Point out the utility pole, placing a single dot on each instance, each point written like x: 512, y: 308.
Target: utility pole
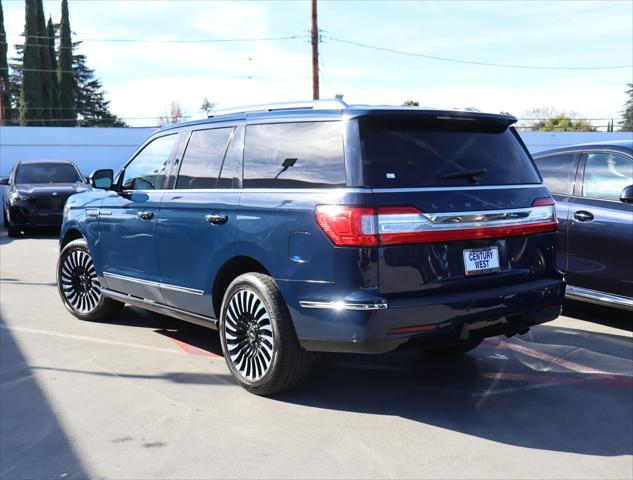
x: 315, y: 52
x: 2, y: 101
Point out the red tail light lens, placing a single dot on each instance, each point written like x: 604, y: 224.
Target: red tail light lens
x: 543, y: 202
x: 370, y: 226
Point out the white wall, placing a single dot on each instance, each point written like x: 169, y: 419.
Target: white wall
x: 93, y: 148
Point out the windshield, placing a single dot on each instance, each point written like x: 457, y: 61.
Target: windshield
x: 406, y: 153
x: 47, y: 173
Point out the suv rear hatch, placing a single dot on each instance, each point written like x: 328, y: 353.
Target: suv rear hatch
x: 458, y: 203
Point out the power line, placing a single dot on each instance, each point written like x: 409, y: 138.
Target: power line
x: 150, y: 40
x: 471, y: 62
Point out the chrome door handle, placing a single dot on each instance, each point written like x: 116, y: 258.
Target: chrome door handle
x: 145, y: 215
x: 217, y: 219
x: 583, y: 216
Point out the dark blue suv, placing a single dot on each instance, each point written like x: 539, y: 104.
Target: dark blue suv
x: 321, y: 227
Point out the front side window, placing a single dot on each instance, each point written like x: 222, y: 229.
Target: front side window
x: 147, y: 170
x: 47, y: 173
x: 203, y: 158
x: 294, y: 155
x: 606, y: 174
x: 557, y: 172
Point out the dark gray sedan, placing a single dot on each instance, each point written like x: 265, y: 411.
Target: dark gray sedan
x: 593, y: 188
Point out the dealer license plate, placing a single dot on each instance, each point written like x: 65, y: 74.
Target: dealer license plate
x: 481, y: 260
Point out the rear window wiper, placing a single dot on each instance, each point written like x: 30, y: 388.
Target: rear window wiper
x: 471, y: 175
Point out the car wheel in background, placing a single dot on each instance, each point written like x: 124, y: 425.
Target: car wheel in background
x: 79, y: 286
x: 258, y: 338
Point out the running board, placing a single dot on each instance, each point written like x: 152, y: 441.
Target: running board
x: 599, y: 298
x: 190, y: 317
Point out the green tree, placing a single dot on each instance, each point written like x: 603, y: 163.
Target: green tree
x: 563, y: 123
x: 411, y: 103
x: 45, y: 110
x: 626, y: 124
x: 67, y: 85
x: 5, y: 89
x: 31, y: 92
x: 52, y: 74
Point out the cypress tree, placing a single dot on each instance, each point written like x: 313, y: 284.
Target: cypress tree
x: 65, y: 67
x: 46, y: 108
x: 31, y: 94
x: 52, y: 75
x: 5, y: 89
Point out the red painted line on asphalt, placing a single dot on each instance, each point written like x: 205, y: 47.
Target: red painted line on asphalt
x: 561, y: 362
x: 617, y: 381
x: 191, y: 350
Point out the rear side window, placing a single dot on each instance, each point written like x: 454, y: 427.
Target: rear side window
x: 606, y: 174
x: 203, y: 158
x: 557, y: 172
x: 294, y: 155
x: 407, y: 153
x: 231, y: 171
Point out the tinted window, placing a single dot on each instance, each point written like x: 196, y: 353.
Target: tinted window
x: 434, y: 153
x: 294, y: 155
x: 606, y: 174
x: 147, y: 170
x: 203, y: 158
x: 557, y: 172
x: 231, y: 172
x: 47, y: 173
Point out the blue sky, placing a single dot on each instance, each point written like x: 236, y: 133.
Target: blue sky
x: 143, y: 78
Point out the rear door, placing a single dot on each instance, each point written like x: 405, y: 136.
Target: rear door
x: 559, y: 172
x: 601, y: 226
x: 465, y: 189
x: 127, y: 221
x: 196, y: 222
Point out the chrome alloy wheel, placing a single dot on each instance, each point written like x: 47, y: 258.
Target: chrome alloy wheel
x: 249, y: 335
x: 79, y: 282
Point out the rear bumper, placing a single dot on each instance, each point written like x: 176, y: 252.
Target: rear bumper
x: 430, y: 320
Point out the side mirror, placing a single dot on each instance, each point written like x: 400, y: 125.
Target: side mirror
x: 102, y: 178
x: 4, y: 180
x: 627, y: 194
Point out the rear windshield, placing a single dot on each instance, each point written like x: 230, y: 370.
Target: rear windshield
x: 436, y: 153
x: 47, y: 173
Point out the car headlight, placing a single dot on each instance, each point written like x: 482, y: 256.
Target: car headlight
x: 17, y: 197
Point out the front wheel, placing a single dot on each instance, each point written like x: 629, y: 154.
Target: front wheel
x: 79, y: 286
x: 258, y: 338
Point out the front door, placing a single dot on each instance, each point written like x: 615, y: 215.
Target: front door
x: 601, y: 226
x: 127, y: 226
x: 196, y: 220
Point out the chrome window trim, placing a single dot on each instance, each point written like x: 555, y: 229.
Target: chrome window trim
x: 465, y: 187
x: 363, y: 306
x: 192, y: 291
x: 597, y: 297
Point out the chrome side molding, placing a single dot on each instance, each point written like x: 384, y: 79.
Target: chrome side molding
x: 339, y: 306
x: 599, y: 298
x: 176, y: 288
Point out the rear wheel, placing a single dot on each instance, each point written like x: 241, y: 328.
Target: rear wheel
x: 258, y: 339
x: 79, y: 286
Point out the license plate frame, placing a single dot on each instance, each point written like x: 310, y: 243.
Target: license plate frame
x: 492, y: 266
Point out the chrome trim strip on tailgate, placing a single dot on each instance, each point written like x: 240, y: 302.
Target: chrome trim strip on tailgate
x: 599, y: 298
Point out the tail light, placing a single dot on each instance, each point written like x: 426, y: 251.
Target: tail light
x: 375, y: 226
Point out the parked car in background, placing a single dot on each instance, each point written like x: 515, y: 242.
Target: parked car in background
x: 593, y: 188
x: 319, y: 226
x: 36, y: 193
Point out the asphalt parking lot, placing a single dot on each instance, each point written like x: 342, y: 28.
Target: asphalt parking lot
x: 144, y: 396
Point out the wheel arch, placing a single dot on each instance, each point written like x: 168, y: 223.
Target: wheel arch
x: 228, y: 272
x: 70, y: 235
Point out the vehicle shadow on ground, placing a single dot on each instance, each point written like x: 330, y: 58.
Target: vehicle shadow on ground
x: 33, y: 444
x: 40, y: 234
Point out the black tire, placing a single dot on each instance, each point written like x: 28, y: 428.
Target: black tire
x: 265, y: 343
x: 459, y: 348
x: 5, y: 218
x: 78, y: 285
x: 12, y: 231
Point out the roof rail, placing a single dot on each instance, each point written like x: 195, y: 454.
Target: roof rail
x: 326, y: 104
